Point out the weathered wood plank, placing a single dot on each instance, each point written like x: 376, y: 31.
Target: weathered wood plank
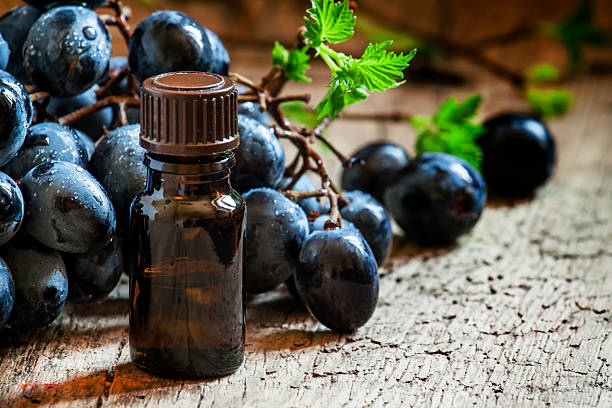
x: 517, y: 313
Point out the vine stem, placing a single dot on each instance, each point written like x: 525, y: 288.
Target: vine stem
x: 101, y: 104
x: 378, y: 116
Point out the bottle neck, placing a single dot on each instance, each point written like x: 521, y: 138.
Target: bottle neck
x: 189, y: 176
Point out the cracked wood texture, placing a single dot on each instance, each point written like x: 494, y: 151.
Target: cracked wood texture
x: 517, y: 313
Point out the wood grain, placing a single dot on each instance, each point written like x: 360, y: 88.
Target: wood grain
x: 517, y: 313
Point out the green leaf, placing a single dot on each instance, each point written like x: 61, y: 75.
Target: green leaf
x: 543, y: 73
x: 293, y: 62
x: 329, y: 22
x: 577, y: 31
x: 297, y: 111
x: 550, y: 102
x: 451, y: 130
x: 377, y: 69
x: 342, y: 92
x: 458, y: 113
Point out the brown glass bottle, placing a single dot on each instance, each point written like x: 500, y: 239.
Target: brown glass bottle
x: 187, y: 315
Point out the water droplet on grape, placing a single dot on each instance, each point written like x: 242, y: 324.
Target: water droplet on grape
x: 90, y: 33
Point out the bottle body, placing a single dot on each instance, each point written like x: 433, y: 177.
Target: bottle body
x: 187, y: 316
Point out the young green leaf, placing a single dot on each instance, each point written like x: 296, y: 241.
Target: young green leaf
x: 342, y: 92
x: 376, y: 70
x: 352, y: 79
x: 293, y: 62
x: 543, y: 73
x: 329, y: 22
x: 451, y: 130
x: 299, y: 112
x: 550, y: 102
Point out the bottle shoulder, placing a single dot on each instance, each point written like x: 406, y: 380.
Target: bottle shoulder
x: 156, y: 204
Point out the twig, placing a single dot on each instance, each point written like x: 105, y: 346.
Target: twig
x: 39, y: 95
x: 378, y: 116
x: 114, y: 78
x: 300, y: 195
x: 101, y: 104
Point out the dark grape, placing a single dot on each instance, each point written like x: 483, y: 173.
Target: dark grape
x: 94, y: 274
x: 518, y: 154
x: 117, y: 164
x: 41, y: 284
x: 290, y: 285
x: 376, y: 166
x: 14, y: 27
x: 47, y: 142
x: 45, y: 4
x: 260, y: 157
x: 9, y: 81
x: 86, y: 143
x: 276, y: 228
x: 371, y: 218
x: 66, y: 208
x: 5, y: 52
x: 304, y: 183
x: 11, y: 208
x: 7, y: 293
x: 13, y: 123
x: 337, y: 278
x: 221, y: 59
x: 93, y: 124
x: 436, y: 198
x: 67, y: 50
x: 169, y: 41
x: 116, y: 65
x: 251, y: 109
x: 318, y: 224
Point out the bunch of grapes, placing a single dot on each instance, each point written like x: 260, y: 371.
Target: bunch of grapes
x: 69, y: 145
x: 72, y: 164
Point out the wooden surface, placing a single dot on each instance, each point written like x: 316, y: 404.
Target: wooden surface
x: 517, y: 313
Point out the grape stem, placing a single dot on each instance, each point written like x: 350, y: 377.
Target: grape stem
x: 120, y: 19
x: 328, y: 188
x: 266, y: 94
x: 114, y: 77
x: 120, y: 100
x: 378, y: 116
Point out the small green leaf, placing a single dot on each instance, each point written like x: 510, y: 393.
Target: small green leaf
x: 341, y: 93
x: 293, y: 62
x: 451, y: 130
x: 297, y: 111
x: 550, y: 102
x: 377, y: 69
x: 329, y: 21
x: 458, y: 113
x: 543, y: 73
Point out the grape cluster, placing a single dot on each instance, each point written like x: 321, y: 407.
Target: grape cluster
x: 66, y: 185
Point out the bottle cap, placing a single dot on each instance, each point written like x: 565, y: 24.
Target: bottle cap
x: 189, y: 114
